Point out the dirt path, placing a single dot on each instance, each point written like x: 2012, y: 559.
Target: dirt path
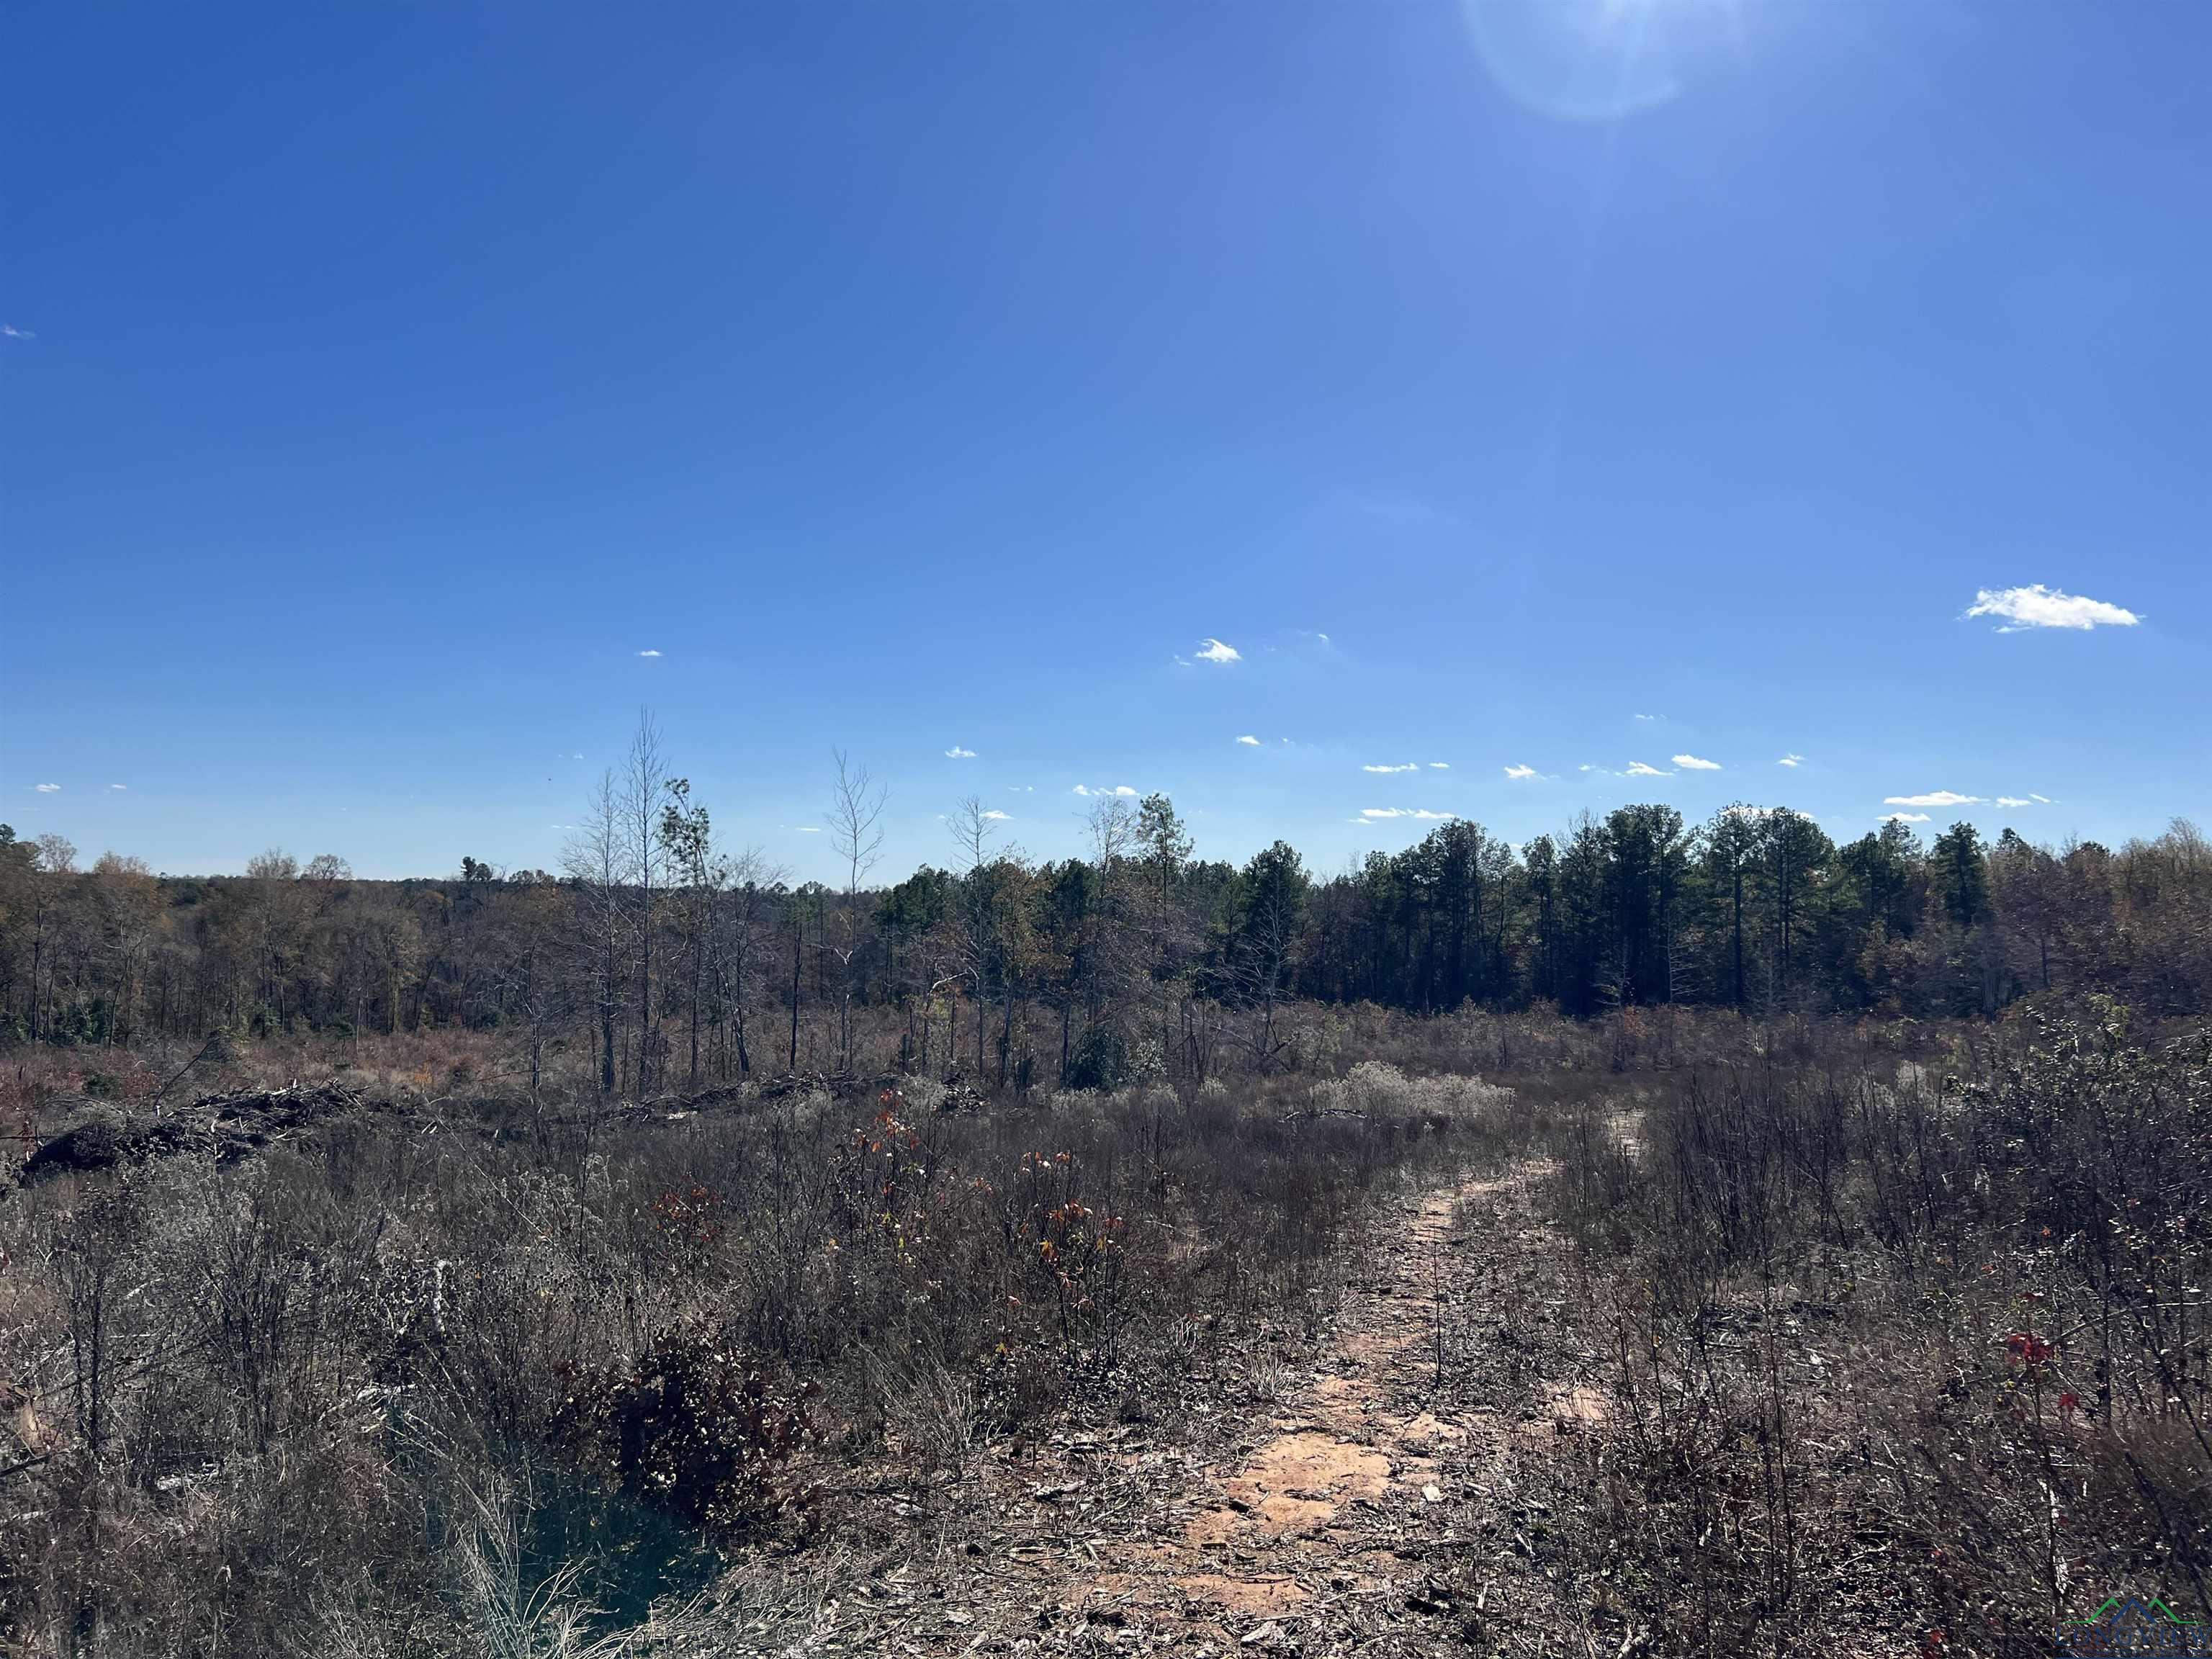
x: 1310, y: 1525
x: 1345, y: 1522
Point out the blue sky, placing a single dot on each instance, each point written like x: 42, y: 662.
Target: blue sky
x: 1557, y: 389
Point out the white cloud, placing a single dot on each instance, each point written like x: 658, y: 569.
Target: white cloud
x: 1123, y: 789
x: 1118, y: 789
x: 1933, y: 798
x: 8, y: 330
x: 1519, y: 771
x: 579, y: 754
x: 1372, y: 813
x: 995, y: 813
x: 2014, y: 801
x: 1904, y: 818
x: 2040, y: 800
x: 1253, y: 742
x: 1692, y: 763
x: 958, y: 753
x: 1651, y: 717
x: 1639, y: 769
x: 1439, y: 766
x: 1408, y: 767
x: 1212, y: 650
x: 648, y: 653
x: 809, y: 829
x: 118, y: 786
x: 1791, y: 760
x: 49, y: 788
x: 2038, y: 606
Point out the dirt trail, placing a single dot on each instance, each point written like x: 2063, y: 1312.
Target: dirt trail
x: 1333, y: 1532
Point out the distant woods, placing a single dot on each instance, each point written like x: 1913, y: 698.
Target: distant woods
x: 667, y: 957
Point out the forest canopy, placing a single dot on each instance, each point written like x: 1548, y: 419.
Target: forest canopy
x: 673, y: 956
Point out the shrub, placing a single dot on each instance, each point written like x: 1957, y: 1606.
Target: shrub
x: 693, y: 1425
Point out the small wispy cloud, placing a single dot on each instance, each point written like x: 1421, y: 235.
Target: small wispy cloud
x: 2040, y: 800
x: 808, y: 829
x: 49, y: 788
x: 1692, y: 763
x: 1375, y: 813
x: 118, y: 786
x: 1118, y: 789
x: 1408, y: 767
x: 1639, y: 769
x: 2015, y: 800
x: 2038, y: 606
x: 8, y: 330
x: 1212, y: 650
x: 1250, y: 742
x: 1904, y: 818
x: 1439, y: 766
x: 1648, y: 718
x: 648, y: 653
x: 995, y: 813
x: 958, y: 753
x: 1933, y: 798
x: 1791, y: 760
x: 1519, y: 771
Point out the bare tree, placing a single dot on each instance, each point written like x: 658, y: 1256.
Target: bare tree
x: 596, y: 859
x: 856, y: 814
x: 56, y: 863
x: 275, y: 865
x: 1112, y: 824
x: 130, y: 905
x: 747, y: 875
x: 644, y: 773
x: 972, y: 829
x: 278, y: 915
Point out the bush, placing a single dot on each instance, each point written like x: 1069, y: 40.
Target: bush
x: 692, y: 1425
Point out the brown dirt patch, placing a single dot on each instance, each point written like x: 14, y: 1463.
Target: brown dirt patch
x: 1268, y: 1597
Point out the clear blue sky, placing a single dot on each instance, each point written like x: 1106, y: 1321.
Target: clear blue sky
x: 379, y: 381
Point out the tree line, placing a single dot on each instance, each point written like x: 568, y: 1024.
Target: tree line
x: 667, y: 958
